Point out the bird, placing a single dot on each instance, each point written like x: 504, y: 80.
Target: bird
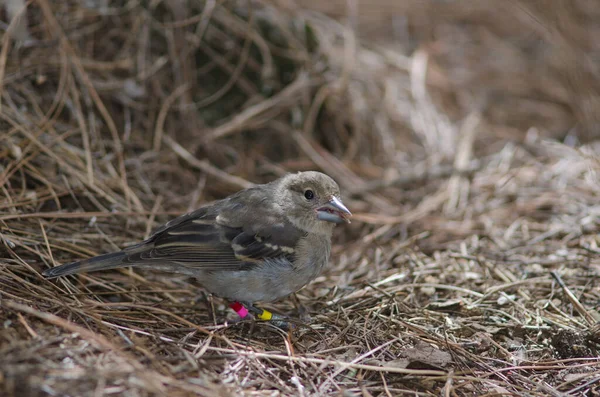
x: 260, y: 244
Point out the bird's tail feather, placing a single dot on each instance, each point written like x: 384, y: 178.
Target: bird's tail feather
x: 103, y: 262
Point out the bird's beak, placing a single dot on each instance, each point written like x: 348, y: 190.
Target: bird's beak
x: 334, y: 211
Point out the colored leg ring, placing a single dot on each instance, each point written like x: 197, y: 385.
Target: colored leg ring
x: 265, y: 315
x: 239, y: 309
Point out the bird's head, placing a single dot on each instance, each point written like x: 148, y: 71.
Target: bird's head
x: 311, y: 201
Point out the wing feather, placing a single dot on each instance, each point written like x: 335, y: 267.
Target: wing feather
x: 236, y: 233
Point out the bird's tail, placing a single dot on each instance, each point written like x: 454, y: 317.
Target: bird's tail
x: 113, y: 260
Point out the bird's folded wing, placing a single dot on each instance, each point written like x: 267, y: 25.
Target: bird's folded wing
x: 231, y: 235
x: 263, y: 231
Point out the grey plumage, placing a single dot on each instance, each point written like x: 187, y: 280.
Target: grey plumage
x: 259, y: 244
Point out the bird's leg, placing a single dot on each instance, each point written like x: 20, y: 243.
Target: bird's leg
x: 242, y: 309
x: 301, y: 309
x: 239, y: 309
x: 261, y: 314
x: 265, y: 315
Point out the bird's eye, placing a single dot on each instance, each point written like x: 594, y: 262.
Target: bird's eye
x: 309, y: 194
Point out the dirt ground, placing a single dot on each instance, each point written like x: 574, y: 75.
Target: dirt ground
x: 464, y: 136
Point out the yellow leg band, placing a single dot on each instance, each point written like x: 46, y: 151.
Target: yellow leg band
x: 265, y: 315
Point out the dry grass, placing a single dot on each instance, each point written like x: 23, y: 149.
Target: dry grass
x: 471, y: 267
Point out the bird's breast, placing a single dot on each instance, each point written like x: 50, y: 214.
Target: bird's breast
x: 312, y: 254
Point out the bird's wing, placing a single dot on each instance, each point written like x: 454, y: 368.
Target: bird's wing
x: 235, y: 233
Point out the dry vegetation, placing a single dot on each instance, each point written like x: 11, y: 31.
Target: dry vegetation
x: 464, y: 142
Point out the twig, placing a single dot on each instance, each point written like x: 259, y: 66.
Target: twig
x: 573, y: 299
x: 205, y: 166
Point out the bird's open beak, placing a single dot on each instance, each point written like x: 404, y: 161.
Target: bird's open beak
x: 334, y: 211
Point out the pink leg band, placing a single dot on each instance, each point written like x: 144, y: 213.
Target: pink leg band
x: 239, y: 309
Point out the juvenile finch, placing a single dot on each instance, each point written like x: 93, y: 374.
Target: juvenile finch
x: 259, y: 244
